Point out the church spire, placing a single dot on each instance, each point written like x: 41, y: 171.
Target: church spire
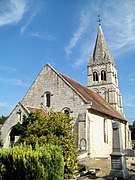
x: 101, y: 51
x: 102, y: 72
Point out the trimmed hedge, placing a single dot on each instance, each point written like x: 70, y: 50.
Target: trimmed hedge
x: 22, y: 162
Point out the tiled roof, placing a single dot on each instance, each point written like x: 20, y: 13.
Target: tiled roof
x: 98, y: 103
x: 36, y: 110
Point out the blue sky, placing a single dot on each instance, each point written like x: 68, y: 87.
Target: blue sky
x: 63, y: 33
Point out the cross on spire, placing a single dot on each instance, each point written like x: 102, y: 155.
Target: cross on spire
x: 99, y: 20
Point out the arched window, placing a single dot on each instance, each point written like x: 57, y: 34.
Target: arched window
x: 95, y: 76
x: 103, y: 75
x: 67, y: 111
x: 48, y: 99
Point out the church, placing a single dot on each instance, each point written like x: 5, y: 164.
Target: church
x: 94, y: 107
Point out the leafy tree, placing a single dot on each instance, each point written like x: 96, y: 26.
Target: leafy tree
x: 2, y: 119
x: 55, y: 128
x: 132, y: 128
x: 22, y: 128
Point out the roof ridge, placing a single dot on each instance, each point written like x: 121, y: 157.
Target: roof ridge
x: 96, y: 96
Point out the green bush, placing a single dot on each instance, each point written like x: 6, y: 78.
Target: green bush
x: 22, y: 162
x: 53, y: 128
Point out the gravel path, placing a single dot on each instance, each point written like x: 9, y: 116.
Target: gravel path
x: 103, y: 167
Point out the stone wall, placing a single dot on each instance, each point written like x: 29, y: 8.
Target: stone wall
x: 11, y: 121
x: 98, y: 147
x: 107, y: 89
x: 62, y: 95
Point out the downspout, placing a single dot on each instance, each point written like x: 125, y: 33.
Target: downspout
x: 88, y: 128
x: 125, y: 137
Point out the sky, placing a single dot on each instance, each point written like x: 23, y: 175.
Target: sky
x: 63, y: 33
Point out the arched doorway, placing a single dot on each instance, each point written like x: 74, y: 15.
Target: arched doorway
x: 14, y: 135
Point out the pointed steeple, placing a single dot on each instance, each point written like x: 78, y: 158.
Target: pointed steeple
x: 101, y: 51
x: 102, y: 72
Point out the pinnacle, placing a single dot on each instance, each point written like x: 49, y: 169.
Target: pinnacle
x: 101, y: 51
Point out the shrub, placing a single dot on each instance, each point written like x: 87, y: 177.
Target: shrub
x: 22, y: 162
x: 53, y: 128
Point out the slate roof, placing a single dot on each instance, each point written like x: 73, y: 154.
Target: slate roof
x: 88, y: 95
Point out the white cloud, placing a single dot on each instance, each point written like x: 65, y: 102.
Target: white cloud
x: 25, y: 26
x: 13, y: 81
x: 118, y: 23
x: 7, y: 68
x: 84, y: 55
x: 11, y: 11
x: 41, y: 36
x: 77, y: 35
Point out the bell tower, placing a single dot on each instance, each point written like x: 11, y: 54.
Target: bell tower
x: 102, y: 72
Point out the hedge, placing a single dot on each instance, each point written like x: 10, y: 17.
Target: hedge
x: 22, y: 162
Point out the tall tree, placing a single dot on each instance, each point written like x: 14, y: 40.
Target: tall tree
x: 132, y: 128
x: 2, y: 119
x: 55, y: 128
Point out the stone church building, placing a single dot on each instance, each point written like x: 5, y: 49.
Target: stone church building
x: 94, y: 107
